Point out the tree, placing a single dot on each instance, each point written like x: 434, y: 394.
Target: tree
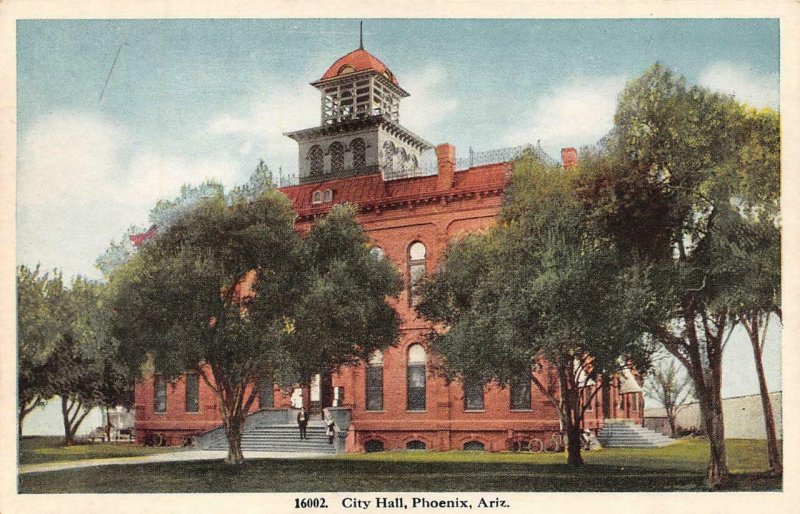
x: 681, y: 150
x: 64, y: 349
x: 39, y: 323
x: 230, y: 290
x: 527, y: 298
x: 758, y: 297
x: 672, y: 389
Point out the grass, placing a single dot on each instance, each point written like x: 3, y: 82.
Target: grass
x: 38, y: 450
x: 680, y: 467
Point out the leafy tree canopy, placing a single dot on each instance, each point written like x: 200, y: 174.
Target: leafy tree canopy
x: 231, y: 290
x: 544, y: 284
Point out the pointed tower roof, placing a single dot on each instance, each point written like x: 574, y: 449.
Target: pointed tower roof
x: 355, y: 61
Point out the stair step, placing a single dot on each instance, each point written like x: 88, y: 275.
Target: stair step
x: 626, y: 434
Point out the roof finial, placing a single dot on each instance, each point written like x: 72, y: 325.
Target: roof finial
x: 361, y: 35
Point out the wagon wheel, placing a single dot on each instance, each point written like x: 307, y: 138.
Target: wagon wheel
x: 158, y: 440
x: 536, y: 445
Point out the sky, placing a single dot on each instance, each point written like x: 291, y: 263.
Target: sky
x: 116, y: 114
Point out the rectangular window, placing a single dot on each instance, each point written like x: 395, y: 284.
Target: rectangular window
x: 159, y: 394
x: 374, y: 387
x: 587, y: 392
x: 521, y: 394
x: 416, y: 387
x: 266, y: 393
x: 634, y: 402
x: 192, y: 393
x: 473, y: 394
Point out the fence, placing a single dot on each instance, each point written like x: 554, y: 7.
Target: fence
x: 428, y: 165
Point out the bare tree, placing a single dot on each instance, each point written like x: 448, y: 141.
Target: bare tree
x: 669, y: 386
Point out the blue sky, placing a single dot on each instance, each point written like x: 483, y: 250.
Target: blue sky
x: 195, y: 99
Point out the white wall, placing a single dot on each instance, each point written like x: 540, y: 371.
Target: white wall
x: 743, y: 415
x: 47, y: 420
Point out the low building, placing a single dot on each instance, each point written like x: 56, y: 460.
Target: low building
x: 743, y: 417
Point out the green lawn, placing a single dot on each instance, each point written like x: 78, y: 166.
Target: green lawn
x: 679, y: 467
x: 37, y: 450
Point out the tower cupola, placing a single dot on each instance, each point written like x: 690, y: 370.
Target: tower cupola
x: 359, y: 131
x: 359, y: 85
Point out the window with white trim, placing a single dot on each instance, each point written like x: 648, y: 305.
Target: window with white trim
x: 374, y: 382
x: 416, y: 386
x: 416, y: 270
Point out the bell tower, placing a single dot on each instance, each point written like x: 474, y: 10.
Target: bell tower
x: 359, y: 131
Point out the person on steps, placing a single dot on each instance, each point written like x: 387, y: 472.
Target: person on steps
x: 302, y: 422
x: 329, y: 430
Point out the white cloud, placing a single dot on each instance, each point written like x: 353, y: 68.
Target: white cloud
x: 258, y: 123
x: 578, y: 113
x: 430, y: 102
x: 68, y: 155
x: 743, y: 82
x: 81, y: 182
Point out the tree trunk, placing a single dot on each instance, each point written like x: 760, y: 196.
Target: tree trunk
x: 573, y: 408
x: 574, y: 443
x: 773, y: 450
x: 69, y: 437
x: 717, y: 473
x: 672, y: 428
x: 233, y: 431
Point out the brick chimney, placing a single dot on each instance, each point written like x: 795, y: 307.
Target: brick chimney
x: 446, y: 159
x: 569, y: 157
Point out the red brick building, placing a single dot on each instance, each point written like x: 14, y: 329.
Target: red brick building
x: 362, y: 155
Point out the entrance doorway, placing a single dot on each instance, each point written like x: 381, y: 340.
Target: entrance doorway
x: 321, y: 393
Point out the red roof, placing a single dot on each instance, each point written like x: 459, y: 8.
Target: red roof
x: 371, y: 190
x: 359, y: 60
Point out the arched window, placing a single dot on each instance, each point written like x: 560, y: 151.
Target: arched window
x: 373, y: 446
x: 358, y: 148
x: 375, y: 382
x: 416, y: 270
x: 403, y: 158
x: 316, y: 197
x: 344, y: 70
x: 327, y: 196
x: 475, y: 446
x: 317, y: 157
x: 416, y: 445
x: 337, y: 157
x: 388, y: 156
x: 416, y: 378
x: 159, y: 394
x: 192, y: 403
x: 377, y: 253
x: 473, y: 394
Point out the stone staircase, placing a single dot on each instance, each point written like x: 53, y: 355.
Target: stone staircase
x: 627, y: 434
x: 278, y: 438
x: 275, y: 430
